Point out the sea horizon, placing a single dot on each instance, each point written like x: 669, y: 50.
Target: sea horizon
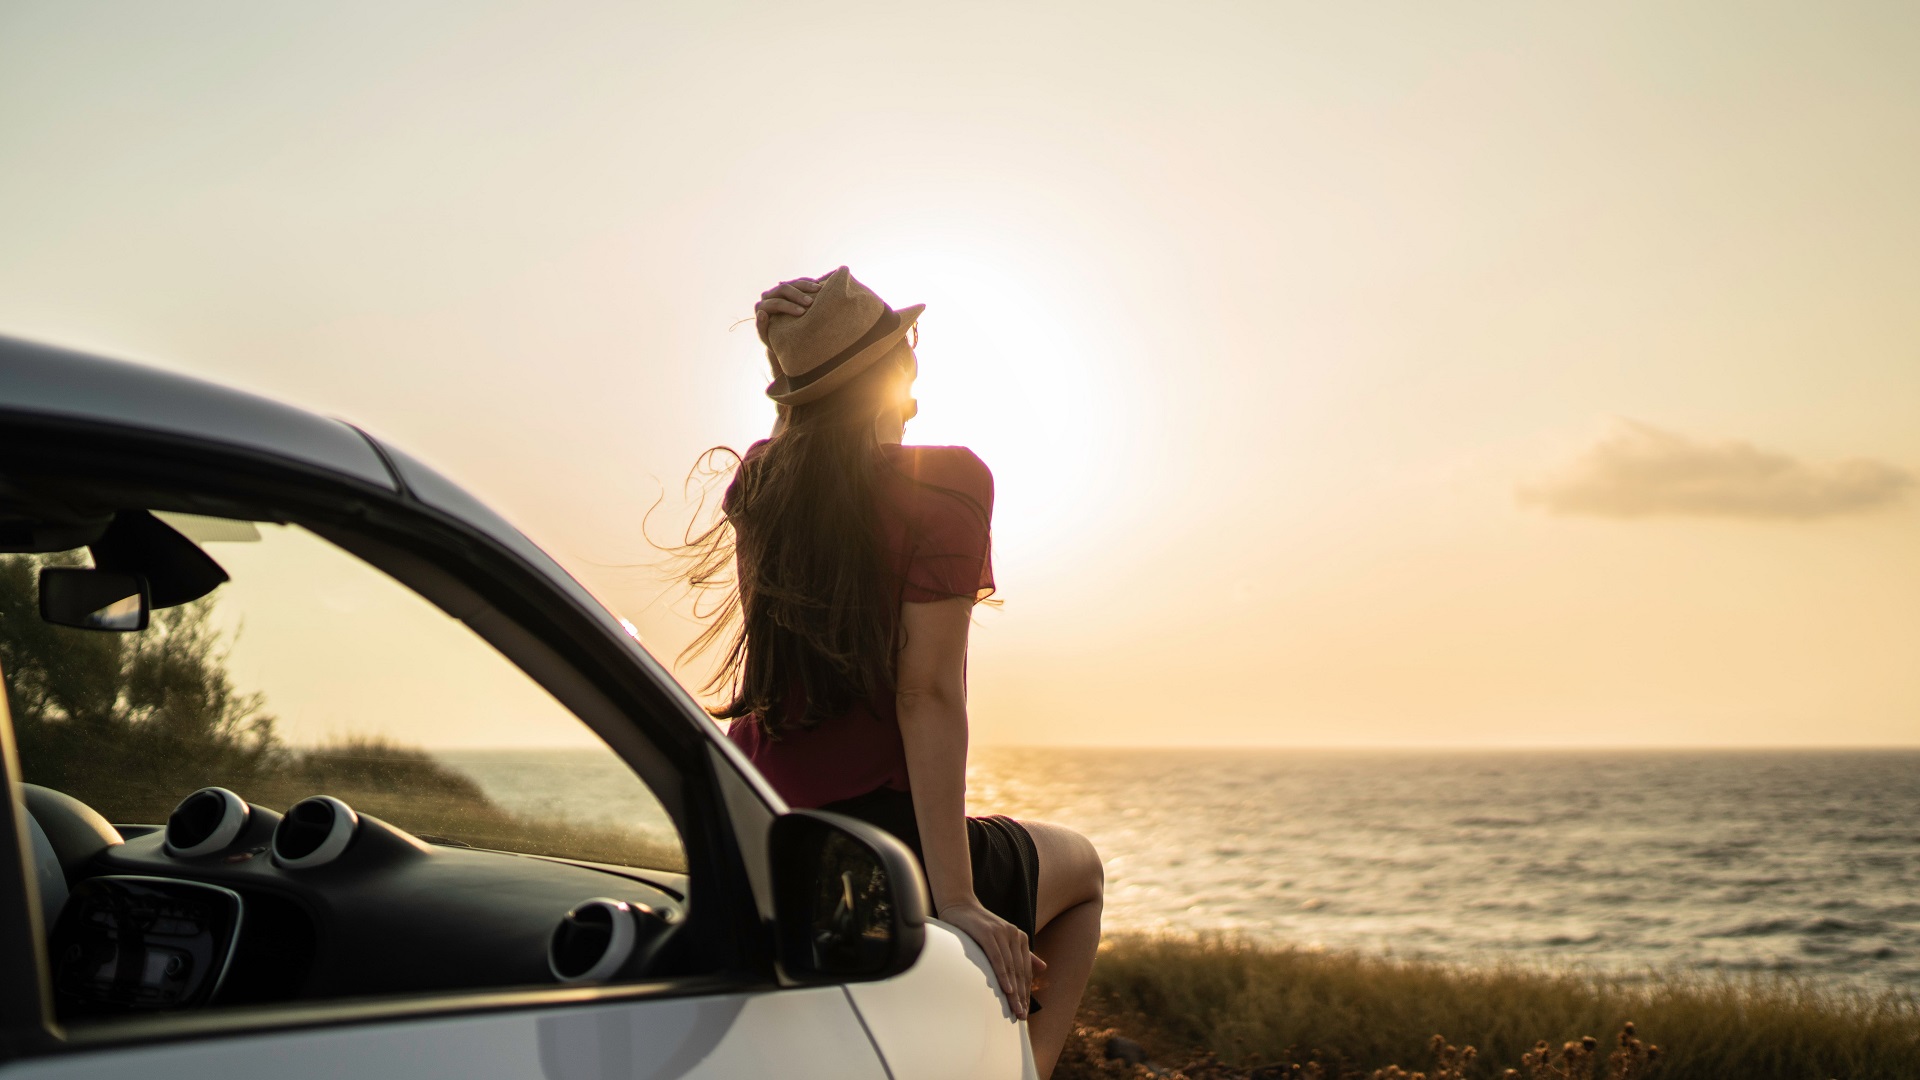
x: 1409, y: 748
x: 1789, y: 861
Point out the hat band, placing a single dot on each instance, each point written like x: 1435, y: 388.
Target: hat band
x: 889, y: 321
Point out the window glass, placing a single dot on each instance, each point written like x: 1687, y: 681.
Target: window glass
x: 312, y: 673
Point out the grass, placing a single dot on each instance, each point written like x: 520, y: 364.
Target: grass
x: 1222, y: 1007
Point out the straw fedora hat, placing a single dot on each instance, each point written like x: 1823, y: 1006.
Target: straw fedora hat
x: 845, y: 330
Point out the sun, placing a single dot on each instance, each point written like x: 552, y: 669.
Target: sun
x: 1010, y: 369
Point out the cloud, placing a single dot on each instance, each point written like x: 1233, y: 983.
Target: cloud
x: 1638, y: 471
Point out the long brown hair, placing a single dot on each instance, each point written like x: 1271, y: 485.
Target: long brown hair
x: 810, y: 603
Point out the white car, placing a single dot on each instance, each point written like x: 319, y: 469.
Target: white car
x: 316, y: 767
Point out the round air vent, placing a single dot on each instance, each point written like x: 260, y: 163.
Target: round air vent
x: 205, y: 822
x: 591, y: 943
x: 314, y: 832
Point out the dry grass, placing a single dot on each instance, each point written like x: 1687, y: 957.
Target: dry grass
x: 410, y: 788
x: 1218, y: 1008
x: 402, y: 785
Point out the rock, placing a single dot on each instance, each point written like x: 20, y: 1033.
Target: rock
x: 1120, y: 1048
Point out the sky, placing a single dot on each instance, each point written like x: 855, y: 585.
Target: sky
x: 1372, y: 374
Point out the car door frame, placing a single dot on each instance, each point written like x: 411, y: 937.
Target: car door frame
x: 568, y: 644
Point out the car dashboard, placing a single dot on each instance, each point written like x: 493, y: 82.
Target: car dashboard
x: 232, y: 904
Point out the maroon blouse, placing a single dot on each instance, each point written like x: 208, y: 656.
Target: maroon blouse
x: 941, y: 548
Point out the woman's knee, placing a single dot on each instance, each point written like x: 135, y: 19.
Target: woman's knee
x: 1069, y: 860
x: 1093, y: 868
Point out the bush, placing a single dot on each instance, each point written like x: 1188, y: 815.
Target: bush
x: 127, y: 723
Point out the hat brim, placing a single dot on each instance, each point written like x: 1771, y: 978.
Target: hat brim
x: 852, y: 367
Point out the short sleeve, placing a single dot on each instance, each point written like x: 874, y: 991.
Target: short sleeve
x: 950, y: 551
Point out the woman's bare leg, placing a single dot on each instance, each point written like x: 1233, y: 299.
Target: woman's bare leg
x: 1072, y: 887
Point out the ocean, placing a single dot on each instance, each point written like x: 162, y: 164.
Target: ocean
x: 1805, y: 863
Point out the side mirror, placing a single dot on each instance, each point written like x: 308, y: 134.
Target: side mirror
x: 850, y: 901
x: 94, y: 599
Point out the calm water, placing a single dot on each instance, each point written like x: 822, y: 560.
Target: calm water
x: 1800, y: 862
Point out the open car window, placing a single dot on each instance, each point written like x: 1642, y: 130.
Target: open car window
x: 308, y: 673
x: 259, y: 770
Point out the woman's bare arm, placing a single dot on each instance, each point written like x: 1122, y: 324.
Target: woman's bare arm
x: 787, y: 298
x: 933, y: 724
x: 932, y: 698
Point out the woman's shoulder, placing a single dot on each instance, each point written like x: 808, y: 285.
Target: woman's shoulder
x: 943, y: 460
x: 954, y: 467
x: 729, y: 499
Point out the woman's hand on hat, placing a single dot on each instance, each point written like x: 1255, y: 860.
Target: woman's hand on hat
x: 787, y: 298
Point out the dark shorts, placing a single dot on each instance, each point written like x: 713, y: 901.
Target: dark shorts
x: 1006, y: 868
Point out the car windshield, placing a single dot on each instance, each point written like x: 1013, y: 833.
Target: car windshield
x: 311, y: 672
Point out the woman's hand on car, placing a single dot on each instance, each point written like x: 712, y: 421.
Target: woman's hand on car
x: 787, y: 298
x: 1005, y: 944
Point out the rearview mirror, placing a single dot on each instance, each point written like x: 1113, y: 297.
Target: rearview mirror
x: 850, y: 901
x: 94, y: 599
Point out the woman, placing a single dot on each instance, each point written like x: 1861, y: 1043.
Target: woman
x: 858, y: 563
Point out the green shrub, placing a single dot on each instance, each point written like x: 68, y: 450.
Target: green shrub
x: 127, y: 723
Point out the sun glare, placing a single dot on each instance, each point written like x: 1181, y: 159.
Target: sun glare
x: 1010, y: 368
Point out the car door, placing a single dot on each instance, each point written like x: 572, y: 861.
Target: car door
x: 802, y: 1033
x: 722, y: 1010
